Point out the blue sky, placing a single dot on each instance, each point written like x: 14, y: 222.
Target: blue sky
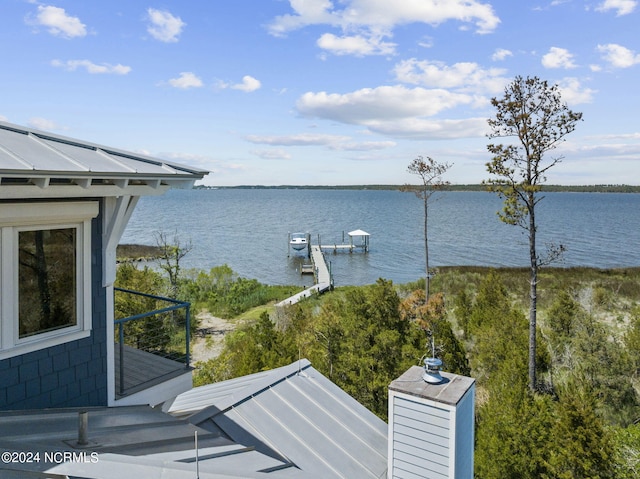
x: 322, y: 92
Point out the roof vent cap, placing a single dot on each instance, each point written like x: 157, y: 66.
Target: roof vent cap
x: 432, y: 371
x: 432, y: 365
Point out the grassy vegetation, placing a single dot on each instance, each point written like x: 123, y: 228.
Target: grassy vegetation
x: 610, y: 295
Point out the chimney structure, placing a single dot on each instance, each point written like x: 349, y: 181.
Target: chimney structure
x: 431, y: 426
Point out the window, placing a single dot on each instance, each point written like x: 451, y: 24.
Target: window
x: 47, y: 296
x: 45, y: 263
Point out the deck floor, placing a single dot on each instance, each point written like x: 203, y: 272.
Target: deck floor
x: 142, y: 370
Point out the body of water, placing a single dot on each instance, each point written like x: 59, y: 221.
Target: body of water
x: 247, y: 229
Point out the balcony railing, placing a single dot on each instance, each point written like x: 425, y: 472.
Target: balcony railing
x: 151, y: 346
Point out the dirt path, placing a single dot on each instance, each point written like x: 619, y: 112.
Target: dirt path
x: 209, y: 338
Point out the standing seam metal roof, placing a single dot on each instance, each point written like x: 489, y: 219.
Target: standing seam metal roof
x: 28, y: 152
x: 298, y: 415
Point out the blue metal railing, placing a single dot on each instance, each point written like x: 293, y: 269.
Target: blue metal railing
x: 155, y: 337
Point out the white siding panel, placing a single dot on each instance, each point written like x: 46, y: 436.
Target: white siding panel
x: 421, y: 468
x: 428, y: 442
x: 441, y: 432
x: 430, y: 416
x: 419, y: 451
x: 415, y: 473
x: 421, y: 440
x: 417, y: 406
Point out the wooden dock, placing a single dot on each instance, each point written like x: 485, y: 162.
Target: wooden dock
x: 319, y: 266
x: 343, y: 247
x: 322, y: 277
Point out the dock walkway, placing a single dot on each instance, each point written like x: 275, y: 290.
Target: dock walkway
x: 322, y: 279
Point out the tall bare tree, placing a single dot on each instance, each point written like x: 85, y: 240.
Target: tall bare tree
x: 533, y: 115
x: 430, y: 173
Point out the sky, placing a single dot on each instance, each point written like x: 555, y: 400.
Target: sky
x: 322, y: 92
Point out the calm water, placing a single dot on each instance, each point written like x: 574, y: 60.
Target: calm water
x: 247, y: 229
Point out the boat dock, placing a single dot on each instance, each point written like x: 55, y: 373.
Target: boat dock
x: 319, y: 268
x: 321, y: 273
x: 350, y: 246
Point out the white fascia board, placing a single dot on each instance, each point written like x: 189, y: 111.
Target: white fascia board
x: 21, y: 192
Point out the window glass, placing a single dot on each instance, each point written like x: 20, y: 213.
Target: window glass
x: 47, y: 292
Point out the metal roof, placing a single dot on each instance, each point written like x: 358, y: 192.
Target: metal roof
x: 288, y: 423
x: 62, y: 166
x: 297, y: 413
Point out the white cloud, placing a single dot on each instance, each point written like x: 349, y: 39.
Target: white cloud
x: 501, y: 54
x: 248, y: 84
x: 618, y: 56
x: 365, y: 22
x: 275, y: 154
x: 91, y: 67
x: 164, y: 26
x: 306, y: 13
x: 558, y: 58
x: 372, y: 104
x: 42, y: 124
x: 3, y: 118
x: 464, y: 75
x: 618, y: 136
x: 574, y: 93
x: 426, y: 42
x: 58, y: 22
x: 185, y: 81
x: 425, y: 129
x: 358, y: 45
x: 301, y: 139
x: 365, y: 145
x: 622, y: 7
x: 333, y: 142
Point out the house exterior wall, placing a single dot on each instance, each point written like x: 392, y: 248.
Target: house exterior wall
x: 71, y: 374
x: 420, y: 439
x: 465, y: 432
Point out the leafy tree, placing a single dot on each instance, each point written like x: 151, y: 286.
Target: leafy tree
x: 356, y: 337
x: 603, y: 365
x: 491, y: 302
x: 257, y: 346
x: 430, y: 173
x: 432, y: 316
x: 626, y: 452
x: 562, y: 315
x: 584, y: 447
x: 532, y: 113
x: 513, y: 437
x: 498, y: 331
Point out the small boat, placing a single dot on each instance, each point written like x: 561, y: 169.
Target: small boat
x: 298, y: 241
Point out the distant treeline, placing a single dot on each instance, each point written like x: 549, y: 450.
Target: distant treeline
x: 477, y: 187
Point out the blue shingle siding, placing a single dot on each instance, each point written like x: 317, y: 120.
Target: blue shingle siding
x: 28, y: 371
x: 69, y: 374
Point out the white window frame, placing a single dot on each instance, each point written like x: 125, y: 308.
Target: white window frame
x: 17, y: 217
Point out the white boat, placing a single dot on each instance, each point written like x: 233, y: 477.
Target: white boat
x: 298, y: 241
